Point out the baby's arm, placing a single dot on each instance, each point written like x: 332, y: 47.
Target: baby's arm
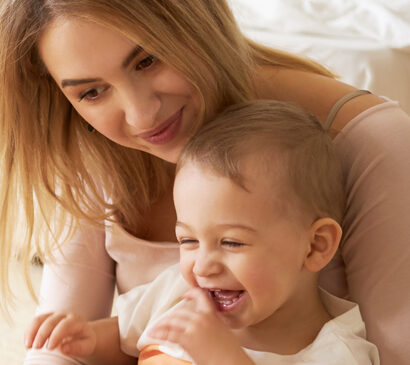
x: 95, y: 342
x: 198, y: 329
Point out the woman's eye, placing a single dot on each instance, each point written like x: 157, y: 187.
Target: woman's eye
x: 232, y: 243
x: 92, y: 94
x: 145, y: 63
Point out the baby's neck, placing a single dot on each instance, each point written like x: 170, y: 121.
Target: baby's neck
x: 287, y: 331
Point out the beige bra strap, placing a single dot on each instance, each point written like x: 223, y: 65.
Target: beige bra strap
x: 332, y: 114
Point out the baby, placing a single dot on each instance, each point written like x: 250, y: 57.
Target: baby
x: 258, y: 195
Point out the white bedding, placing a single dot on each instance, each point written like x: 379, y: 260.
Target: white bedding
x: 365, y: 42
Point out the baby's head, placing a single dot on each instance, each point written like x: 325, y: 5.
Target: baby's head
x: 258, y: 195
x: 276, y: 142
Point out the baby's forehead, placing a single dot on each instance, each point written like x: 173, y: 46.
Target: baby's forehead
x: 252, y: 174
x: 247, y: 169
x: 257, y: 177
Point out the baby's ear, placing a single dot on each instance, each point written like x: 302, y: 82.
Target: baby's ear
x: 325, y: 234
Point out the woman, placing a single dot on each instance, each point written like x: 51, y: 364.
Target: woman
x: 97, y: 101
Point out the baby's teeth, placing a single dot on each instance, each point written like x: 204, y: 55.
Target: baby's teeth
x: 228, y: 302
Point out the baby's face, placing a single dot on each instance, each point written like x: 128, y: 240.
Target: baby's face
x: 238, y: 245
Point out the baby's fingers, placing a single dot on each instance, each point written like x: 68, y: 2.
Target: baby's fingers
x: 45, y: 328
x: 32, y: 329
x: 79, y: 347
x: 67, y: 329
x: 202, y: 300
x: 170, y: 329
x: 172, y: 325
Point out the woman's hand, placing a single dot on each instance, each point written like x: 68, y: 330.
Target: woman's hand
x: 199, y: 329
x: 70, y: 333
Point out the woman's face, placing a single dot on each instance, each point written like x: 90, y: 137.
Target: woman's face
x: 125, y: 93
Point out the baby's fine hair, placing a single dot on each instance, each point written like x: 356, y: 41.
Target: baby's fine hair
x: 296, y: 153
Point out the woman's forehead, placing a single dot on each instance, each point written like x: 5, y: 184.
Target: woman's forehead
x: 72, y: 48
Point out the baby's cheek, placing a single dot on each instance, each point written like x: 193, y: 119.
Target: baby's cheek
x: 265, y: 283
x: 186, y: 266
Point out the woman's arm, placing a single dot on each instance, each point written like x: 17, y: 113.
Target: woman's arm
x: 81, y: 280
x: 375, y: 149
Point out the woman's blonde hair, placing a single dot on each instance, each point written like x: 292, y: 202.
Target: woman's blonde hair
x: 54, y: 173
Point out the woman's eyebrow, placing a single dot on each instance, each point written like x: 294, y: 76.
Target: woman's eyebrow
x: 74, y: 82
x: 134, y: 53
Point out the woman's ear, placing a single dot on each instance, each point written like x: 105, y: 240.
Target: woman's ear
x: 325, y: 235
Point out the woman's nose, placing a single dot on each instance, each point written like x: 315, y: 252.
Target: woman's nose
x: 140, y: 106
x: 207, y: 263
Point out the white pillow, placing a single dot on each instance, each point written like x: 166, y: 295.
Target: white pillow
x: 362, y: 53
x: 387, y: 22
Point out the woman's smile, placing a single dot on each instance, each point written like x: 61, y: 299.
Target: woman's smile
x: 165, y: 132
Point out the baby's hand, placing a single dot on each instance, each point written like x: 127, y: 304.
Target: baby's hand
x: 70, y: 333
x: 199, y: 329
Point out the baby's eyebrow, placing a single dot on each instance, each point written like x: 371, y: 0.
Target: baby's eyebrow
x: 223, y: 225
x: 181, y: 224
x: 74, y: 82
x: 239, y: 226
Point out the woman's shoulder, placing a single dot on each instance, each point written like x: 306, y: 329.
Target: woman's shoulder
x: 316, y: 93
x: 384, y: 121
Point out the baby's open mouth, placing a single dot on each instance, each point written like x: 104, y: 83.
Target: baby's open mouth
x: 225, y: 299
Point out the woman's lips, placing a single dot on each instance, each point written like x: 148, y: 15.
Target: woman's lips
x: 165, y: 132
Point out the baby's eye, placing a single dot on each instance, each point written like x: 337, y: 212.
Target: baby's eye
x: 145, y: 62
x: 232, y: 243
x: 92, y: 94
x: 187, y: 240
